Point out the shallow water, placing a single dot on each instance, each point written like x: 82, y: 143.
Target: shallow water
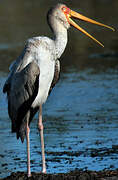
x: 80, y: 116
x: 81, y: 125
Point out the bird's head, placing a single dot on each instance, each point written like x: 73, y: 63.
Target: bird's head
x: 64, y: 15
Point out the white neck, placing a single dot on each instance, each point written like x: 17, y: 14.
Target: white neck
x: 60, y: 41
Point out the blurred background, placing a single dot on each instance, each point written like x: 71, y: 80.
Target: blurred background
x: 81, y: 115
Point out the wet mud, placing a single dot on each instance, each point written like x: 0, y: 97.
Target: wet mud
x: 77, y: 174
x: 74, y: 175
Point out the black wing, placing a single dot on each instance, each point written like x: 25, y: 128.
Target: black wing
x: 56, y: 75
x: 21, y: 91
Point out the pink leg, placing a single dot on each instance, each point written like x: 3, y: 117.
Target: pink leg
x: 28, y: 151
x: 40, y: 126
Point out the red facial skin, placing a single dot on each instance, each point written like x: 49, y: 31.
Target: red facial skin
x: 66, y: 11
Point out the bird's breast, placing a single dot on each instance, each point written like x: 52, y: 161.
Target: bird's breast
x: 45, y: 80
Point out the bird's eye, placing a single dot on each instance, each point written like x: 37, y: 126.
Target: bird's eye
x: 64, y: 9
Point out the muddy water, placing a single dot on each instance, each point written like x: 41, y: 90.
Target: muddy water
x: 81, y: 115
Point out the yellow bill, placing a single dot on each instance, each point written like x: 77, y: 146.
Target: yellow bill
x: 81, y: 17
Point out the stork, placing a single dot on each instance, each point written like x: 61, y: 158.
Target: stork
x: 35, y: 72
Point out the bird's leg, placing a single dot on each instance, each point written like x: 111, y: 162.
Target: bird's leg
x: 28, y: 150
x: 40, y: 126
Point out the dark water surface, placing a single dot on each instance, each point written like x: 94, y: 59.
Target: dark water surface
x: 81, y: 115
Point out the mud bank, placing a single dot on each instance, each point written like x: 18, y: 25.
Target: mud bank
x: 74, y: 175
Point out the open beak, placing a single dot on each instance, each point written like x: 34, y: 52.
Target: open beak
x: 81, y: 17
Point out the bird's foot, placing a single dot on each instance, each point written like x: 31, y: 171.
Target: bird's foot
x: 29, y: 175
x: 44, y: 171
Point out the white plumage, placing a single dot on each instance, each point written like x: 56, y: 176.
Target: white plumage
x: 45, y: 58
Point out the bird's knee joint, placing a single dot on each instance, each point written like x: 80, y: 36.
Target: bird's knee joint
x: 40, y: 127
x: 28, y: 129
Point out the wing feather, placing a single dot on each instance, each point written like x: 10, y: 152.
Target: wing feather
x: 21, y: 93
x: 56, y: 75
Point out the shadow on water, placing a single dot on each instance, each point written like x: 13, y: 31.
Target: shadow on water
x: 80, y: 116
